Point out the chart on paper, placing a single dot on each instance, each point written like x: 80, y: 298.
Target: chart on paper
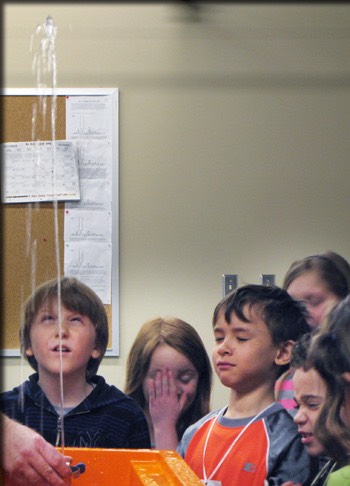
x: 39, y: 171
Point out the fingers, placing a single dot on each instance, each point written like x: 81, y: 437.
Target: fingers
x: 171, y: 383
x: 43, y: 474
x: 164, y: 394
x: 51, y: 465
x: 30, y: 476
x: 163, y: 385
x: 29, y: 459
x: 151, y: 393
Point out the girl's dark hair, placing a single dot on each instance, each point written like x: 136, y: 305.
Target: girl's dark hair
x: 300, y: 352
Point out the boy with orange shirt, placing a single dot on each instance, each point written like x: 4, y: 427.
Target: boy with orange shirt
x: 252, y: 441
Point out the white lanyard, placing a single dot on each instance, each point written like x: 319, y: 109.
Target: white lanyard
x: 205, y: 477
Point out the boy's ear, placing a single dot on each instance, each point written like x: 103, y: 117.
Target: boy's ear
x: 284, y: 353
x: 96, y: 353
x: 29, y: 352
x: 346, y: 377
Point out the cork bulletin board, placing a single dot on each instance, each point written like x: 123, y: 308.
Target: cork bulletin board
x: 29, y: 253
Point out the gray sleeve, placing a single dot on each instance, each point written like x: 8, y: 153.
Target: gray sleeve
x: 186, y: 439
x: 288, y: 458
x: 190, y: 431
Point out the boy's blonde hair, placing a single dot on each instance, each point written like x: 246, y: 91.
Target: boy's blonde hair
x: 74, y: 296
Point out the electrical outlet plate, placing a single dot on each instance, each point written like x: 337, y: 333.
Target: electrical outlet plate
x: 229, y: 283
x: 267, y: 279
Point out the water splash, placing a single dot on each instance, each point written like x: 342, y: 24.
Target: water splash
x: 44, y: 68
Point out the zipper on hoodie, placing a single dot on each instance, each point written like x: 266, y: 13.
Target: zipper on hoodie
x: 59, y: 431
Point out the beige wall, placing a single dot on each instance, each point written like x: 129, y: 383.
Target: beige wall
x: 234, y: 143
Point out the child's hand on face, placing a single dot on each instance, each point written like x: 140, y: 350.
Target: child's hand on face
x: 165, y: 402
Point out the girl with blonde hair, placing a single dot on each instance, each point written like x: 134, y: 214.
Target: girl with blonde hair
x: 169, y: 375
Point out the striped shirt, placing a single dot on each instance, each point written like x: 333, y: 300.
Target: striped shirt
x: 284, y: 392
x: 107, y: 418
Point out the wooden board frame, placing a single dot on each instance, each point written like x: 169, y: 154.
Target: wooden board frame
x: 19, y: 274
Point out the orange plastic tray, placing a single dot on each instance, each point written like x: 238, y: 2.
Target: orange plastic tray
x: 134, y: 467
x: 130, y: 467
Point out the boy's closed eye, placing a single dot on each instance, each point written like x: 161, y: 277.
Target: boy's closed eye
x: 241, y: 339
x: 218, y: 339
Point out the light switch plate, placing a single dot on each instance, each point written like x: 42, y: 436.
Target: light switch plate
x: 267, y: 279
x: 229, y: 283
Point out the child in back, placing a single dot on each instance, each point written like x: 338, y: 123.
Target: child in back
x: 330, y: 355
x: 253, y: 439
x: 310, y: 394
x: 320, y: 282
x: 168, y: 374
x: 65, y: 335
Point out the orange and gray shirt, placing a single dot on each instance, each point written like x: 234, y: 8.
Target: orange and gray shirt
x: 268, y: 448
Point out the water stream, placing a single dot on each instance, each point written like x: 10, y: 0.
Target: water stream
x: 44, y: 68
